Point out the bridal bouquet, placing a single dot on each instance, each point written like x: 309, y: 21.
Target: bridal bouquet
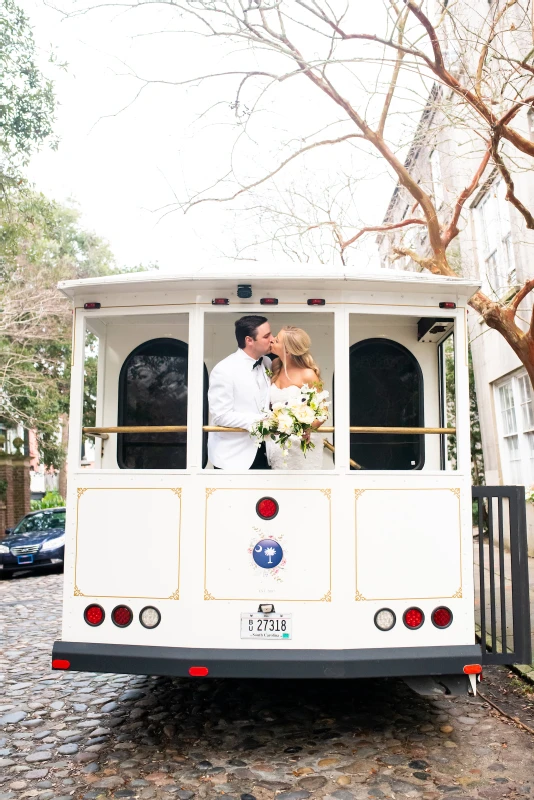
x: 292, y: 420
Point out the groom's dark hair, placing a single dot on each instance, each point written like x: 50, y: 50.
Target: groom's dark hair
x: 247, y: 326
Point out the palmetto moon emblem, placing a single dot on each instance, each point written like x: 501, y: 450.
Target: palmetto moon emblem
x: 267, y: 553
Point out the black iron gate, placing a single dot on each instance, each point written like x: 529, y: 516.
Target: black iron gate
x: 502, y: 604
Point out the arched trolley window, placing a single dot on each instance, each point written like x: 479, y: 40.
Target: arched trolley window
x: 386, y: 390
x: 153, y: 391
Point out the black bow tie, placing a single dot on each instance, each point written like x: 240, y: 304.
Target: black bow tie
x: 257, y: 363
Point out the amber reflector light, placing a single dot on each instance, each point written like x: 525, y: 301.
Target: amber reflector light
x: 413, y: 618
x: 267, y: 508
x: 472, y: 669
x: 94, y: 615
x: 121, y: 616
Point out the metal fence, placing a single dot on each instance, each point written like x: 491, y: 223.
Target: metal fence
x: 502, y: 604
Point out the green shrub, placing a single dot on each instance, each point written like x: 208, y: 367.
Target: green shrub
x: 50, y: 500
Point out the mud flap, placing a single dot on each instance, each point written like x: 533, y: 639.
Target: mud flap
x: 440, y: 685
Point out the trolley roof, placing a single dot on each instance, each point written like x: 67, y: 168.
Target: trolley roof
x: 282, y: 275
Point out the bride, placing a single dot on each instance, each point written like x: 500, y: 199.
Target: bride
x: 290, y: 371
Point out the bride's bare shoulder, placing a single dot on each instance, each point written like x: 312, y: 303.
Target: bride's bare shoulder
x: 308, y: 376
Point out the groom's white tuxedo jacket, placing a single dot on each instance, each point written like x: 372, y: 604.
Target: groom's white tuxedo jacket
x: 237, y: 395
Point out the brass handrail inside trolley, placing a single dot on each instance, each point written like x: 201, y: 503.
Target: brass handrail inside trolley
x: 100, y: 431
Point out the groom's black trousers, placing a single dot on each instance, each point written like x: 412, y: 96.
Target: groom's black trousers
x: 260, y: 462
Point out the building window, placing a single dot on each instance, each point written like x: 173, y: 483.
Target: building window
x: 386, y: 390
x: 494, y: 240
x: 516, y: 407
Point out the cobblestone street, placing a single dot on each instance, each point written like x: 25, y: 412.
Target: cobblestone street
x: 66, y: 735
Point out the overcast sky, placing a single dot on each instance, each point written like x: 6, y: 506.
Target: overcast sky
x: 121, y: 165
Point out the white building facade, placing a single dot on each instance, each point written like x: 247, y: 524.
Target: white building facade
x: 494, y: 246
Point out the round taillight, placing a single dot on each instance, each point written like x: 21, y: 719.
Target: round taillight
x: 149, y: 617
x: 94, y: 615
x: 413, y: 618
x: 442, y: 617
x: 267, y: 508
x: 385, y: 619
x: 121, y: 616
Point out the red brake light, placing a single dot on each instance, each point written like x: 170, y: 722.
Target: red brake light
x: 447, y: 305
x: 473, y: 669
x: 316, y: 302
x: 60, y: 663
x: 267, y: 508
x: 90, y: 306
x: 121, y: 616
x: 198, y: 672
x: 269, y: 301
x: 220, y: 301
x: 94, y: 615
x: 442, y: 617
x: 413, y: 618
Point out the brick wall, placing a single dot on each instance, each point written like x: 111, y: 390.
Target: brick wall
x: 6, y: 474
x: 15, y: 470
x: 21, y: 486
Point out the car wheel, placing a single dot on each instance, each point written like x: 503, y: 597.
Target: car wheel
x: 6, y: 576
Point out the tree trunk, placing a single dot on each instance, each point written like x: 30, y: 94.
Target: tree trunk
x: 64, y: 422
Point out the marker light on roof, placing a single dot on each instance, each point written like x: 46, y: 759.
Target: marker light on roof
x: 91, y: 306
x: 447, y: 305
x: 269, y: 301
x: 316, y: 301
x: 220, y: 301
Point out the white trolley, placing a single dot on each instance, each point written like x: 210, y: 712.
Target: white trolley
x: 374, y: 565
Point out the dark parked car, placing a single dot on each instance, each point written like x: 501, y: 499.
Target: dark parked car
x: 37, y: 541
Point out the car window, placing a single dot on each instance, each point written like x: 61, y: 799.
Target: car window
x: 41, y: 522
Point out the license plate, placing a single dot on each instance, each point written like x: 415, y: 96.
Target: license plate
x: 266, y: 626
x: 25, y: 559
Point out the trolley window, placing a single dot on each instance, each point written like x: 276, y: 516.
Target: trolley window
x: 386, y: 390
x: 153, y: 390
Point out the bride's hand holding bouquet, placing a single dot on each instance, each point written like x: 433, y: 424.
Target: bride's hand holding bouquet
x: 294, y: 419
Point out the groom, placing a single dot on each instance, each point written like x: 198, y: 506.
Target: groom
x: 239, y: 391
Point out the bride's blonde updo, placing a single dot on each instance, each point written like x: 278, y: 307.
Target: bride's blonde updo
x: 297, y: 344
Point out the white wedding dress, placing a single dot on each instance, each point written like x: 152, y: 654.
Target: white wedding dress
x: 295, y: 458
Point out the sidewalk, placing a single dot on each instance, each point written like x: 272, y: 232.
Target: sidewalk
x: 526, y: 669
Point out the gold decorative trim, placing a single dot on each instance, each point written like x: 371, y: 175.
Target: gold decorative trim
x: 457, y: 493
x: 177, y: 491
x: 209, y: 491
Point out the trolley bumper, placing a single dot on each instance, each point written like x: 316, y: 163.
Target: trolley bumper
x: 266, y: 663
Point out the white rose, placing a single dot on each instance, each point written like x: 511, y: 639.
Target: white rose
x: 285, y: 423
x: 305, y: 414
